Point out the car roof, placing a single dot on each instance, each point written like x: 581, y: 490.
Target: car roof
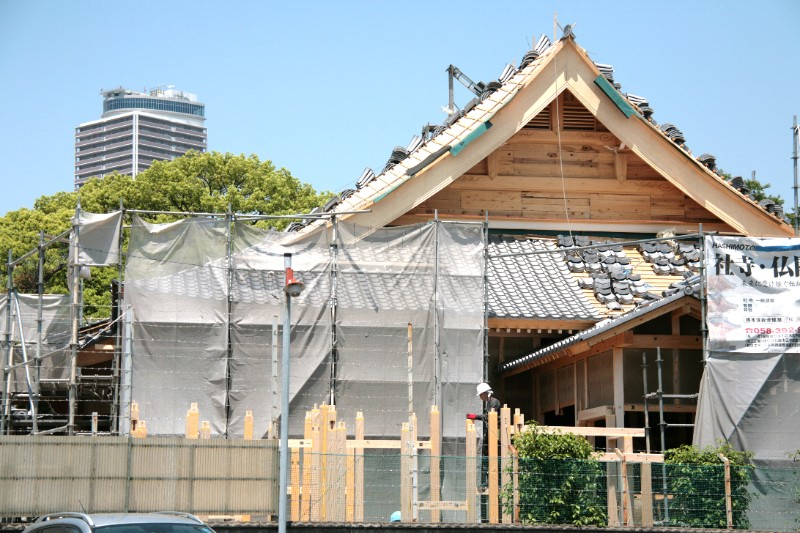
x: 107, y: 519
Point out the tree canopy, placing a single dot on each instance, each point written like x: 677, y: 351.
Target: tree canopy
x: 196, y: 182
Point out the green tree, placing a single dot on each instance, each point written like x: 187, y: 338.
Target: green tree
x: 696, y: 480
x: 197, y: 182
x: 757, y: 190
x: 560, y: 480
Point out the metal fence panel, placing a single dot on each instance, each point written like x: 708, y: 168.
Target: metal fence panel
x: 40, y: 475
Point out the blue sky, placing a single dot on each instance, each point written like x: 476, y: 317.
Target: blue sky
x: 326, y: 89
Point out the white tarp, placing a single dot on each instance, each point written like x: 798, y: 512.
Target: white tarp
x: 98, y: 238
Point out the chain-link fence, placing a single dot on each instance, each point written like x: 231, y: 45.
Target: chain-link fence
x: 369, y: 485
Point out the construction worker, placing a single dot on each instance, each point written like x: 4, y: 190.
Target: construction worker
x: 490, y: 403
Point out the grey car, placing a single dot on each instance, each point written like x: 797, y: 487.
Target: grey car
x: 163, y: 522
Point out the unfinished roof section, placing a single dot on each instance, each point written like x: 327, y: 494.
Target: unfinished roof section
x: 625, y: 173
x: 525, y: 283
x: 613, y: 331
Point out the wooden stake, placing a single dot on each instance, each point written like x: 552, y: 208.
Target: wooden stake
x: 436, y: 458
x: 506, y: 430
x: 359, y: 470
x: 728, y: 499
x: 494, y: 492
x: 471, y: 485
x: 305, y: 505
x: 647, y: 494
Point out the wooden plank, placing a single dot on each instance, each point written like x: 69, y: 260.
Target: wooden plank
x: 359, y: 495
x: 295, y: 484
x: 608, y: 432
x: 619, y: 387
x: 492, y: 200
x: 405, y: 475
x: 627, y: 507
x: 547, y: 155
x: 505, y: 441
x: 555, y: 205
x: 689, y: 342
x: 385, y: 444
x: 614, y: 206
x: 416, y: 216
x: 612, y: 487
x: 646, y: 489
x: 492, y: 165
x: 315, y: 475
x: 471, y: 467
x: 611, y: 496
x: 632, y: 457
x: 588, y: 138
x: 575, y: 169
x: 338, y: 484
x: 436, y: 452
x: 435, y: 507
x: 667, y: 208
x: 728, y: 500
x: 621, y: 166
x: 595, y: 413
x: 494, y: 489
x: 305, y: 501
x: 668, y: 408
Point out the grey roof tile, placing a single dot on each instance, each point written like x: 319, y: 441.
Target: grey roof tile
x: 534, y: 285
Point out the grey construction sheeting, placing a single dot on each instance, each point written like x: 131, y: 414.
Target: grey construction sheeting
x: 751, y: 401
x: 56, y: 328
x: 98, y: 238
x: 177, y: 286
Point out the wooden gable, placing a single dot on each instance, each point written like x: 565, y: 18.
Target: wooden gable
x: 505, y: 158
x: 602, y: 183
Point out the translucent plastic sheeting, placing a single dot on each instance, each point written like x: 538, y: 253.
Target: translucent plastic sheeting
x: 177, y: 286
x: 258, y: 301
x: 99, y: 238
x: 373, y: 283
x: 461, y: 321
x: 56, y: 328
x: 429, y: 276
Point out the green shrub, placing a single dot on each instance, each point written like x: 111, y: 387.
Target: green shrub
x: 560, y: 480
x: 696, y: 481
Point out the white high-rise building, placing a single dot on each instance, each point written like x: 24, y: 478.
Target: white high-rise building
x: 136, y: 129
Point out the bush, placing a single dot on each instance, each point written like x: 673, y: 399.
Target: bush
x: 560, y: 480
x: 696, y: 481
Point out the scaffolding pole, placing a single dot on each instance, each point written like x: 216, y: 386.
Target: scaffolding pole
x: 75, y: 318
x: 334, y: 306
x: 8, y: 349
x: 436, y: 325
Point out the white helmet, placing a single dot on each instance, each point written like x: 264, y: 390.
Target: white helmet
x: 484, y: 387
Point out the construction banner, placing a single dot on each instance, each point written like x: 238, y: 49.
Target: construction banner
x: 753, y: 288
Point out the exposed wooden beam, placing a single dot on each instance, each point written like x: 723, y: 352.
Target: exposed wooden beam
x: 573, y: 185
x: 687, y: 342
x: 668, y: 408
x: 589, y: 226
x: 492, y: 165
x: 621, y: 166
x: 619, y: 385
